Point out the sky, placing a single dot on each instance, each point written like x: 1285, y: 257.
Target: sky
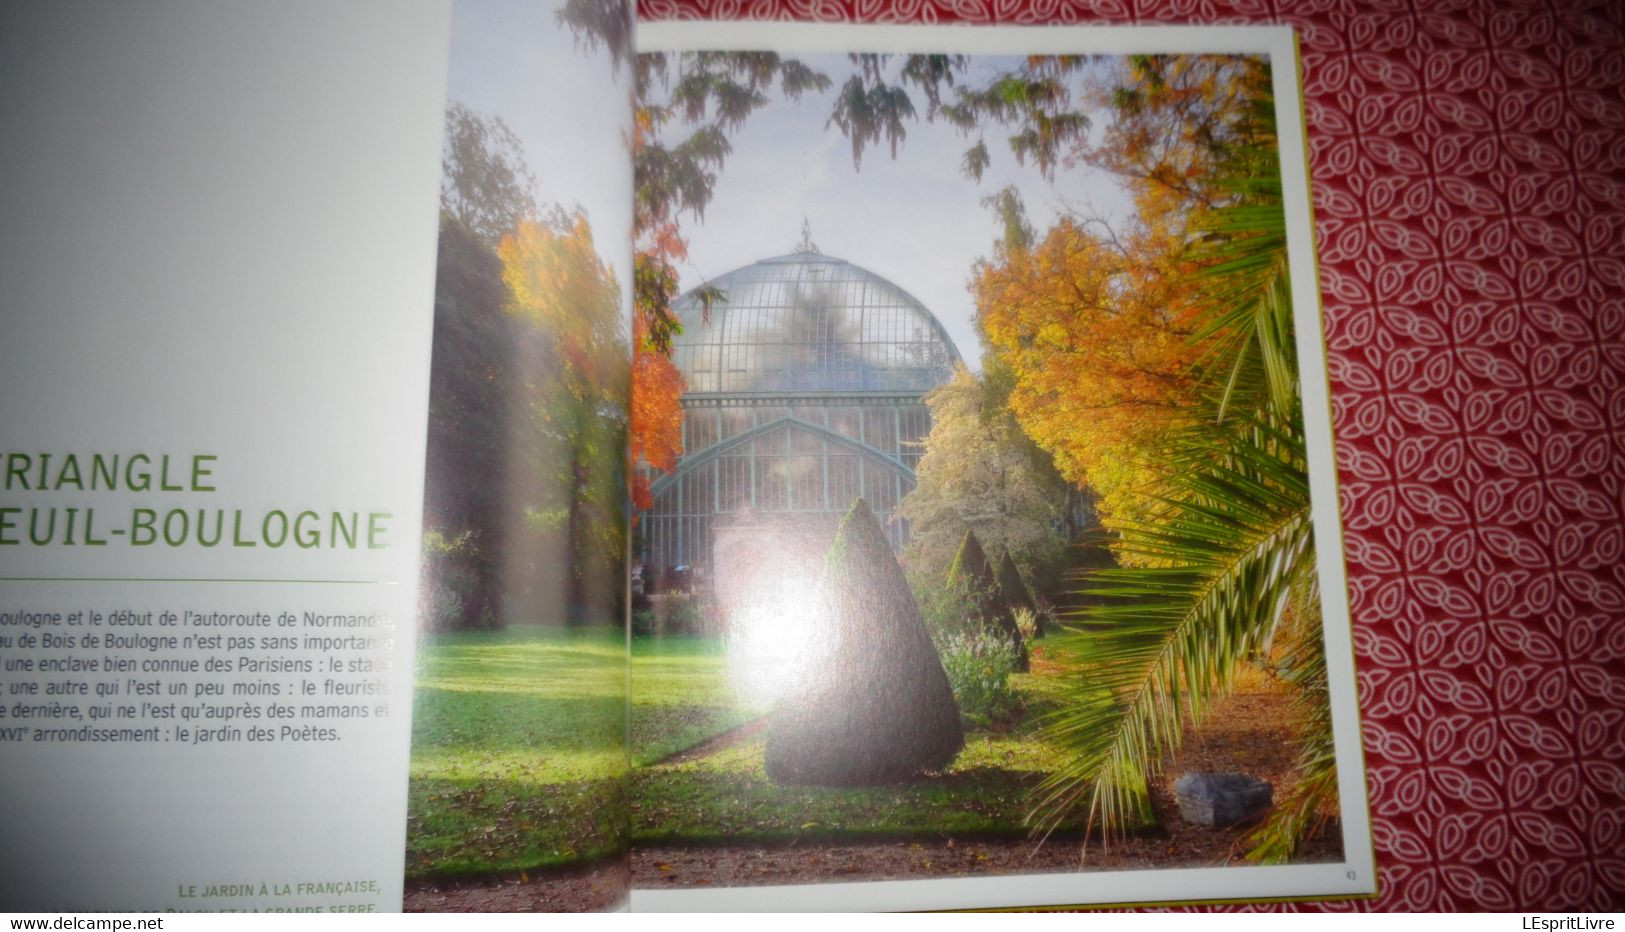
x: 915, y: 220
x: 571, y: 112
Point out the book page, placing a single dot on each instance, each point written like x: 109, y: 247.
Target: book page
x: 1000, y: 565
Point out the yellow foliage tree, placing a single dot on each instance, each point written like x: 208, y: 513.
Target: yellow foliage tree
x: 557, y: 282
x: 575, y: 379
x: 1096, y: 324
x: 1096, y: 330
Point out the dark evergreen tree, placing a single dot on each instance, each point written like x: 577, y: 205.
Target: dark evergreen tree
x: 1016, y: 594
x: 877, y: 706
x: 475, y: 405
x: 973, y: 576
x: 471, y: 403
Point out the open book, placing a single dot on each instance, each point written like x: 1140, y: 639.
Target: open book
x: 456, y: 460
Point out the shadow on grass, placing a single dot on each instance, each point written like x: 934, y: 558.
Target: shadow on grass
x: 681, y: 696
x: 463, y: 828
x: 518, y: 751
x: 726, y: 796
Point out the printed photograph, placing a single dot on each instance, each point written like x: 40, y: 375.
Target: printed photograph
x: 518, y: 771
x: 975, y: 535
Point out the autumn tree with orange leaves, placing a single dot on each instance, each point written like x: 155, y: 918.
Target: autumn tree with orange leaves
x: 657, y: 415
x: 528, y: 411
x: 679, y: 141
x: 1095, y: 330
x: 1095, y: 320
x: 1214, y: 539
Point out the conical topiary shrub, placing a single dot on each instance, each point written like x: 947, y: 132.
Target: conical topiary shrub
x: 876, y: 707
x: 972, y: 575
x: 1015, y: 593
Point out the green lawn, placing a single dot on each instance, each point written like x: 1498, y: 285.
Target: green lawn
x: 518, y: 750
x: 727, y: 795
x: 518, y: 758
x: 680, y: 696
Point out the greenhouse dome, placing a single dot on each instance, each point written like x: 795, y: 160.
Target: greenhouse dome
x: 803, y: 392
x: 809, y: 323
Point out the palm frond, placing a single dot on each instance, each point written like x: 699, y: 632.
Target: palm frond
x: 1223, y: 555
x: 1233, y: 540
x: 1250, y: 319
x: 1301, y: 812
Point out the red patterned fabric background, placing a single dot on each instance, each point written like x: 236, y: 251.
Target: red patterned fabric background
x: 1468, y: 167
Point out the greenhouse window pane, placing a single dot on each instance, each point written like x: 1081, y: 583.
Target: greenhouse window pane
x: 806, y: 483
x: 880, y: 429
x: 844, y: 481
x: 772, y: 483
x: 733, y: 483
x: 805, y: 441
x: 735, y: 421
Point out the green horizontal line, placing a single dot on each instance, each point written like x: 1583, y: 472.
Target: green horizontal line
x: 325, y: 582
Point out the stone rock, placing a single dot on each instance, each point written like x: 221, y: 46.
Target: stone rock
x: 1219, y: 799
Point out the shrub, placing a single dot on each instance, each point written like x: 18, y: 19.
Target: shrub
x: 979, y: 665
x: 946, y: 606
x: 682, y: 613
x: 456, y: 595
x: 643, y: 622
x: 1028, y: 623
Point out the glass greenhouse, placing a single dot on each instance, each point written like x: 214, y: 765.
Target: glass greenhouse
x: 803, y: 393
